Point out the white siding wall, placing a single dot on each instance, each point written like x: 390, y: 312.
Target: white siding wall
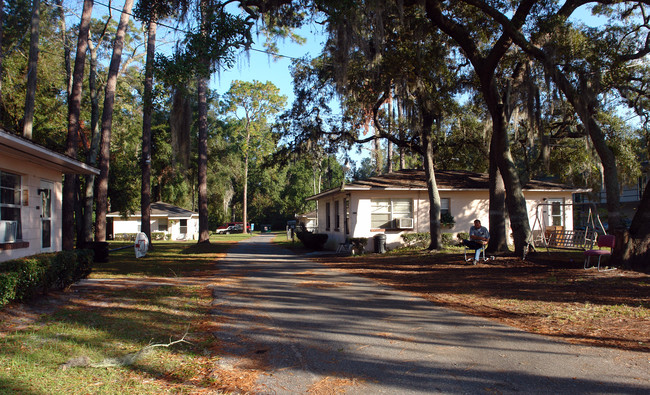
x: 31, y: 177
x: 132, y: 226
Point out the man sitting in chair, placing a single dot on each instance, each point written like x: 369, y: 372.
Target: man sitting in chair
x: 478, y: 239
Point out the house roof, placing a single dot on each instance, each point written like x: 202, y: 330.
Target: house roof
x: 20, y: 148
x: 161, y: 209
x: 447, y: 180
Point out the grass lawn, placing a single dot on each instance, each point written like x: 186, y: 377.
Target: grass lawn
x: 111, y: 338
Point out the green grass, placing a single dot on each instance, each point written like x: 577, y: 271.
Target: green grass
x: 113, y: 323
x: 166, y: 259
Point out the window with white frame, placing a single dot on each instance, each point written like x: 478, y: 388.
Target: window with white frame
x: 383, y: 212
x: 10, y: 204
x: 444, y: 206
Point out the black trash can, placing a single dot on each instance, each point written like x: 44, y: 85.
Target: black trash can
x: 380, y: 243
x: 101, y: 250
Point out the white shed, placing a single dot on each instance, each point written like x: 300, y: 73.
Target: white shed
x: 167, y: 221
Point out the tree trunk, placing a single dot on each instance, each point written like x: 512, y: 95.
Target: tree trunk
x: 245, y: 219
x: 66, y: 47
x: 389, y: 153
x: 432, y: 186
x: 84, y: 234
x: 32, y: 68
x: 402, y: 150
x: 204, y: 232
x: 633, y: 247
x: 497, y: 215
x: 147, y: 110
x: 376, y: 152
x: 2, y: 23
x: 515, y: 200
x: 107, y: 121
x: 74, y: 111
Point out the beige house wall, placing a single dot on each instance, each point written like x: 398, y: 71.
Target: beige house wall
x: 30, y: 212
x: 465, y: 206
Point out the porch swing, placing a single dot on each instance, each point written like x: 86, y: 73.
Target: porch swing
x: 554, y: 235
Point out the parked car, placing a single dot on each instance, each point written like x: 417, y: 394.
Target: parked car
x: 233, y: 227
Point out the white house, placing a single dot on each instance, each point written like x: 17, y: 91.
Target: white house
x: 30, y: 196
x: 174, y: 222
x: 398, y: 202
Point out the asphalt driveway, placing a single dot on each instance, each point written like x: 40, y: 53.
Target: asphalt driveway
x: 317, y: 329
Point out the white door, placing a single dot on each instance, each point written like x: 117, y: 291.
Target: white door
x: 46, y: 215
x: 555, y: 213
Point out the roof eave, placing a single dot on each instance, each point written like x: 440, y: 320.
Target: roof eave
x: 25, y: 149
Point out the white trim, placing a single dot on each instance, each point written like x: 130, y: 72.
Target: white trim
x: 20, y: 148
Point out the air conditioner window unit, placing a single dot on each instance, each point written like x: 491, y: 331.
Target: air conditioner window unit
x: 404, y: 223
x: 8, y: 231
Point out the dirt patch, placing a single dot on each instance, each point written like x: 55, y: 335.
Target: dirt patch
x: 549, y: 294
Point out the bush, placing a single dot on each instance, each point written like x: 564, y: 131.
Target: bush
x: 160, y: 236
x: 125, y: 236
x: 447, y: 239
x: 21, y: 279
x: 8, y: 286
x: 421, y: 240
x: 462, y: 236
x: 84, y: 265
x: 313, y: 241
x: 446, y: 219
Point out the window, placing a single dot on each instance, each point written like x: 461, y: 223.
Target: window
x: 337, y: 216
x: 10, y: 194
x: 556, y: 212
x: 328, y: 220
x: 346, y: 216
x: 163, y: 225
x: 384, y: 211
x: 183, y: 226
x: 444, y: 206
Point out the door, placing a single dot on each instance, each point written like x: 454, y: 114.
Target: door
x: 555, y: 214
x: 46, y: 214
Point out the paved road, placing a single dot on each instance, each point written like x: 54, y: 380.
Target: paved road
x: 314, y: 326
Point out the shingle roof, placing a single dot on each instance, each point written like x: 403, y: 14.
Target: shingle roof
x: 161, y: 209
x: 445, y: 180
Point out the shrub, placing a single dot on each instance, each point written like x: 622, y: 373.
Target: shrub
x: 30, y: 274
x: 462, y: 236
x: 8, y: 285
x: 160, y: 236
x: 21, y: 279
x: 84, y: 264
x: 125, y: 236
x: 421, y: 240
x: 313, y: 241
x: 446, y: 219
x: 447, y: 239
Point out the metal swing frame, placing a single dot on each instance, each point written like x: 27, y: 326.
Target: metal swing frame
x: 565, y: 239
